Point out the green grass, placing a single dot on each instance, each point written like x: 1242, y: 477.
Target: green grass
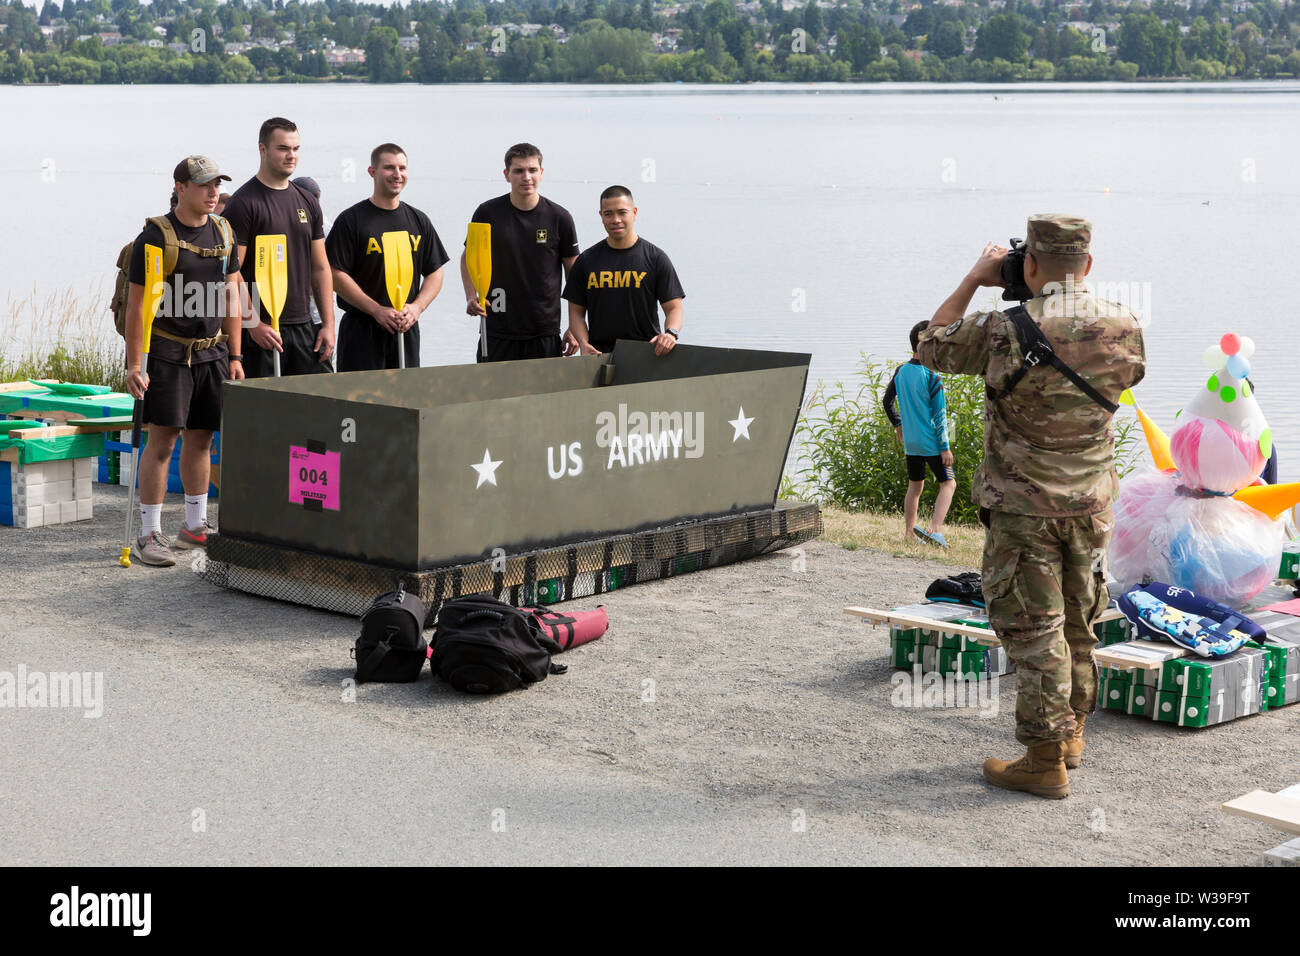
x: 64, y: 337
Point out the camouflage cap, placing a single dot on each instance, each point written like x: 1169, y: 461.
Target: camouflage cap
x: 1058, y: 235
x: 197, y: 170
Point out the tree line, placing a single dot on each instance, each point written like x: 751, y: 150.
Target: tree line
x: 641, y: 41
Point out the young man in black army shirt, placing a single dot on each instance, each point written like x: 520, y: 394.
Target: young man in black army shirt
x: 534, y: 244
x: 370, y: 326
x: 616, y: 286
x: 194, y: 347
x: 269, y: 205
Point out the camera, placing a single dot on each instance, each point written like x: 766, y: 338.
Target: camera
x: 1013, y: 273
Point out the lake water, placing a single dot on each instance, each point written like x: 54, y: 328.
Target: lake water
x: 818, y: 219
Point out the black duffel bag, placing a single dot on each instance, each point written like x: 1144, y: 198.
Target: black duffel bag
x: 391, y: 647
x: 484, y: 646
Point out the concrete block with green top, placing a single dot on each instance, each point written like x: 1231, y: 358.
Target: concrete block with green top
x: 1141, y: 700
x: 902, y: 647
x: 1290, y: 569
x: 1115, y: 631
x: 1113, y: 688
x: 1190, y: 711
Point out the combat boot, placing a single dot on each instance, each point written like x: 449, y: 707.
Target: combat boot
x: 1041, y: 771
x: 1074, y: 746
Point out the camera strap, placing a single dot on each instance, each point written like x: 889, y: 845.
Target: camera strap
x: 1037, y: 351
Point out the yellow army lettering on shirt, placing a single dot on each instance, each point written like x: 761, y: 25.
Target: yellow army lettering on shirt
x: 374, y: 246
x: 606, y: 279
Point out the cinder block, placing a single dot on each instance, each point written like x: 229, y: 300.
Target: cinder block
x: 81, y: 487
x: 67, y: 511
x: 1288, y: 854
x: 32, y: 517
x: 62, y: 470
x: 29, y: 495
x: 82, y: 468
x: 59, y: 491
x: 33, y: 474
x: 85, y: 509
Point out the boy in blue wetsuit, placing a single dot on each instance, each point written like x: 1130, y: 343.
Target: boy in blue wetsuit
x: 923, y: 430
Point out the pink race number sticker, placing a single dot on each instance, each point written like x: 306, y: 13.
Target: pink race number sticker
x: 313, y: 478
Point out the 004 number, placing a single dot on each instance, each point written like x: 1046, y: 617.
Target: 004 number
x: 313, y: 477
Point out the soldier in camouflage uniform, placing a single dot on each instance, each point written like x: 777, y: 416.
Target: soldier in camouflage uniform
x: 1047, y: 481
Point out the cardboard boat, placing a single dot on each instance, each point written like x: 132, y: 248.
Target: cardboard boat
x: 429, y: 468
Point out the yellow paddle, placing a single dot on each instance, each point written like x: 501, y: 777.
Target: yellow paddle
x: 271, y: 275
x: 153, y: 292
x: 399, y: 271
x: 478, y: 260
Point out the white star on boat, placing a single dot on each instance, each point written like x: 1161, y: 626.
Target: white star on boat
x: 741, y: 424
x: 486, y: 469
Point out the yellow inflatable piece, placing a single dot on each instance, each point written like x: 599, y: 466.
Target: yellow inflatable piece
x: 1272, y: 500
x: 1157, y: 441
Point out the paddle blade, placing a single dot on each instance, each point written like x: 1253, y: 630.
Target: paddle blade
x: 1272, y: 500
x: 271, y: 274
x: 478, y: 258
x: 399, y: 270
x: 1157, y: 441
x: 153, y: 290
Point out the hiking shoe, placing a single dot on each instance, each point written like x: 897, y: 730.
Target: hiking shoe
x: 186, y: 539
x: 1041, y: 771
x: 155, y: 550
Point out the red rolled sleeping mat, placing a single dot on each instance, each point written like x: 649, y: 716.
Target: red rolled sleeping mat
x: 573, y: 628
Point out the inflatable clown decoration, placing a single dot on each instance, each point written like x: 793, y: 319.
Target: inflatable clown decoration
x: 1204, y: 520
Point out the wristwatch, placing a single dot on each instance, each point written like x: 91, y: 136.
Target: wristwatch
x: 672, y: 332
x: 236, y: 358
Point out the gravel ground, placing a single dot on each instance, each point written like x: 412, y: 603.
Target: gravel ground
x: 735, y: 715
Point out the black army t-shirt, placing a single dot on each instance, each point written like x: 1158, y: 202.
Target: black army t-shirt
x: 621, y: 290
x: 193, y: 306
x: 356, y: 245
x: 258, y: 210
x: 528, y: 247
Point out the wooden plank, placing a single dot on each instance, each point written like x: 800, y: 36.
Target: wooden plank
x: 1273, y: 808
x: 18, y: 387
x: 1133, y: 659
x: 982, y: 634
x: 53, y: 431
x: 10, y: 455
x: 89, y: 426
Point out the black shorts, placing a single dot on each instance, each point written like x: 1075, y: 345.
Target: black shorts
x: 298, y: 358
x: 185, y: 396
x: 916, y: 468
x: 508, y: 350
x: 364, y: 344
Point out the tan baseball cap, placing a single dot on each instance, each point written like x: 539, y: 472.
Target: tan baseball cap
x: 198, y: 170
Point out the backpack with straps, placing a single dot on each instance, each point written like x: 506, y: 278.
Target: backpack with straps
x: 391, y: 647
x: 172, y: 245
x: 1037, y: 350
x: 485, y: 646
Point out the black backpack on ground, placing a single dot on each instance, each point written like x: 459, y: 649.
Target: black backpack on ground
x: 484, y: 646
x: 958, y: 589
x: 391, y: 647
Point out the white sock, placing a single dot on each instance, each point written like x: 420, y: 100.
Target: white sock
x: 196, y: 511
x: 150, y: 519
